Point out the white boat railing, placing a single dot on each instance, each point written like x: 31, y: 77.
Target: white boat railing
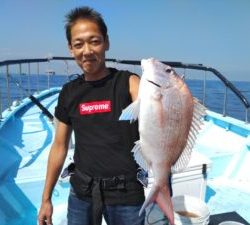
x: 27, y: 91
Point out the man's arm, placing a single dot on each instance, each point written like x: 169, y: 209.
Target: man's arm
x: 57, y: 155
x: 134, y: 82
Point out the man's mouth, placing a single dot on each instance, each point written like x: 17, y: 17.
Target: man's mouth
x: 89, y: 60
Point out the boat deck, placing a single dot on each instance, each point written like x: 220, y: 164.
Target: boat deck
x: 26, y: 136
x: 25, y: 144
x: 228, y: 183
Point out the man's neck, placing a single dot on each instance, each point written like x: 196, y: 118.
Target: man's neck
x: 97, y: 76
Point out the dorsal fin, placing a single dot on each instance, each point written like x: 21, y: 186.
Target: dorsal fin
x: 197, y: 120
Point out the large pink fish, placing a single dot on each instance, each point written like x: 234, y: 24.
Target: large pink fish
x: 169, y: 119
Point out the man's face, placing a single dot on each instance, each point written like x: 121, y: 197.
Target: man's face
x: 88, y: 46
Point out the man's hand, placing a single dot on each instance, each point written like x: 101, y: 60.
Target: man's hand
x: 45, y: 213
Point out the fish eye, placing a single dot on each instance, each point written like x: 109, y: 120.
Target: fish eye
x: 168, y: 70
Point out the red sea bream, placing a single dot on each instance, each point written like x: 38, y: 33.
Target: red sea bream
x: 169, y: 119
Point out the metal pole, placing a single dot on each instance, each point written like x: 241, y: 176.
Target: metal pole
x: 8, y: 87
x: 20, y: 73
x: 38, y: 88
x: 225, y: 102
x: 48, y: 81
x: 48, y: 75
x: 21, y: 83
x: 29, y: 78
x: 184, y: 74
x: 67, y: 68
x: 204, y: 88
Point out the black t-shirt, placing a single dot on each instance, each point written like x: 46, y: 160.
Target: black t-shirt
x: 103, y: 144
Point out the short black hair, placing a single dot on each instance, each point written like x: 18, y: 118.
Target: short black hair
x: 84, y: 13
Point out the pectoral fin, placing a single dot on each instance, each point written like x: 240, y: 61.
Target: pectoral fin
x: 131, y: 112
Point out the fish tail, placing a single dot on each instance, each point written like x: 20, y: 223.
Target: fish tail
x: 162, y: 197
x: 163, y: 200
x: 150, y: 198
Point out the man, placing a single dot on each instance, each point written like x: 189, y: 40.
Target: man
x: 104, y: 181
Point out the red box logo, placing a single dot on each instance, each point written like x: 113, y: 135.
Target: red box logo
x: 95, y: 107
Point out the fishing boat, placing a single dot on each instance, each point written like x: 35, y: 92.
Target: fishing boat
x: 217, y: 173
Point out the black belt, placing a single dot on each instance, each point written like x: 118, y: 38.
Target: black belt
x: 100, y: 184
x: 97, y: 202
x: 94, y: 187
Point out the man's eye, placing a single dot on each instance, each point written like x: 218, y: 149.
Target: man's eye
x: 77, y: 45
x: 95, y: 42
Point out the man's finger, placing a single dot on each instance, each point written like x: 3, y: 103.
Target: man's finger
x: 48, y: 221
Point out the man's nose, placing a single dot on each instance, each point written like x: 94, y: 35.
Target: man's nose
x: 87, y: 49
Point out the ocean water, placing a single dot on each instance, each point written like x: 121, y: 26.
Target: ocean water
x: 22, y: 86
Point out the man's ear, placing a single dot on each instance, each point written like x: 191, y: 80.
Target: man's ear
x: 70, y: 50
x: 107, y: 43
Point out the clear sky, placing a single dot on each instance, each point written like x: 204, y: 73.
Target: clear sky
x: 212, y: 32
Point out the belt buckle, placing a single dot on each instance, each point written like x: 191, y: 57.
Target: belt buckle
x: 114, y: 183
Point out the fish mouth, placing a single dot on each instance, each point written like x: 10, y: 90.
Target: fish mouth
x: 152, y: 82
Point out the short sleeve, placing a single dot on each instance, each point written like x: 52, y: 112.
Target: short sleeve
x: 61, y: 111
